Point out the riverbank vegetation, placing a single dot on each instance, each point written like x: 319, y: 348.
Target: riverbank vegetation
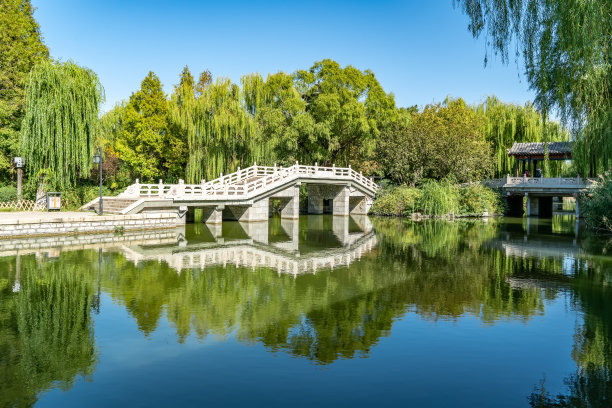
x: 326, y: 114
x: 598, y: 205
x: 438, y: 198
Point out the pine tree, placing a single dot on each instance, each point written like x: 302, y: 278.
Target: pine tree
x: 21, y: 47
x: 142, y: 141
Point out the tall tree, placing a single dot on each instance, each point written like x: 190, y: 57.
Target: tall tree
x: 141, y: 144
x: 566, y: 49
x: 221, y: 133
x: 281, y: 114
x: 444, y: 140
x: 21, y: 48
x: 176, y: 151
x: 61, y: 122
x: 349, y: 108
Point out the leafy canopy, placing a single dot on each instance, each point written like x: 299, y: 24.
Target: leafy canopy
x: 61, y: 122
x: 349, y: 108
x: 444, y: 140
x: 566, y: 49
x: 144, y: 134
x: 21, y: 47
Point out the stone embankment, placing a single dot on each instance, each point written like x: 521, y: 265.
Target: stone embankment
x: 40, y: 224
x: 52, y: 244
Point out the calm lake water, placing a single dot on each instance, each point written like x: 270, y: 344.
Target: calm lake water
x: 327, y: 311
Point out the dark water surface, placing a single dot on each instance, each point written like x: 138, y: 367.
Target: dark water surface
x: 327, y: 311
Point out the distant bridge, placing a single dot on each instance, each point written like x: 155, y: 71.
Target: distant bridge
x: 540, y: 191
x: 244, y: 195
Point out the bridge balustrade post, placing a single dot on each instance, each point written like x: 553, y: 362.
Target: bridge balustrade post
x: 181, y: 188
x: 316, y: 167
x: 137, y: 186
x: 203, y: 184
x: 160, y: 188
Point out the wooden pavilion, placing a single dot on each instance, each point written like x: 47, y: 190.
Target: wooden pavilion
x: 527, y: 153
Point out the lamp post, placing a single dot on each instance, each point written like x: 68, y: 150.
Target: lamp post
x: 97, y: 159
x: 19, y: 165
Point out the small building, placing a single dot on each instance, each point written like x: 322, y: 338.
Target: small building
x: 527, y: 153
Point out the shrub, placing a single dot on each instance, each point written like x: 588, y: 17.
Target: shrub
x: 8, y: 193
x: 476, y: 199
x: 396, y: 201
x: 438, y: 198
x: 597, y: 207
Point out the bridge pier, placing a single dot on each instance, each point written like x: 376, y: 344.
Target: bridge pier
x: 258, y: 211
x: 578, y: 214
x: 539, y: 206
x: 213, y: 215
x: 340, y: 203
x: 315, y: 199
x: 339, y: 196
x: 360, y: 205
x: 291, y: 208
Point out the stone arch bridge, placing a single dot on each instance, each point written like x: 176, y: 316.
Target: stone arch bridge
x: 245, y: 194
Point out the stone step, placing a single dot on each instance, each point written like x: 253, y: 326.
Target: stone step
x: 112, y: 205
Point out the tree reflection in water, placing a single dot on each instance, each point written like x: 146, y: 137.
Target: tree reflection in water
x: 436, y: 269
x: 46, y: 331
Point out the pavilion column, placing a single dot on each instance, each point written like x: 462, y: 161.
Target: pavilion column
x: 516, y: 165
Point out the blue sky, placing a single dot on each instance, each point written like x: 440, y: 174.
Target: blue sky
x: 419, y: 50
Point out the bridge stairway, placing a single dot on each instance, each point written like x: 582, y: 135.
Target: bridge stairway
x: 111, y: 205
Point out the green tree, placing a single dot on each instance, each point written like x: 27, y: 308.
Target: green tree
x: 61, y: 122
x: 444, y: 140
x: 506, y: 123
x: 176, y: 152
x: 566, y: 49
x: 349, y: 108
x: 281, y: 114
x: 220, y: 133
x: 141, y: 144
x: 21, y: 48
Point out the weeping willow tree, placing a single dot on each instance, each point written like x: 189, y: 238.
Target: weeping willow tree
x: 61, y: 122
x: 221, y: 133
x: 506, y: 123
x: 565, y: 46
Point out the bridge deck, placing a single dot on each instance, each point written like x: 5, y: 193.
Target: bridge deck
x: 249, y: 187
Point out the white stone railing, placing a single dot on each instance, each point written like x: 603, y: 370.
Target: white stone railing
x: 246, y: 182
x: 544, y: 182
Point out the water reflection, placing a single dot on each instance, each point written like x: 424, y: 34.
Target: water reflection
x: 322, y: 288
x: 46, y: 330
